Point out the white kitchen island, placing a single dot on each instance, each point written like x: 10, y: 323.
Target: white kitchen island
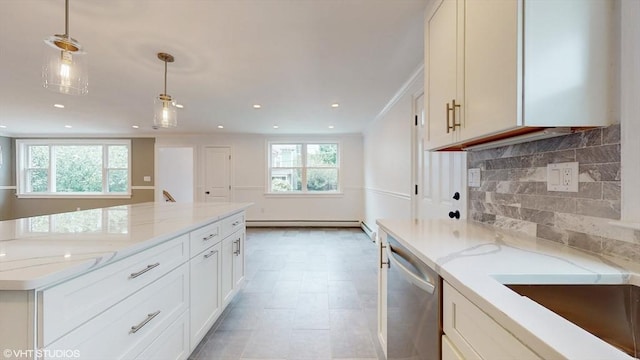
x: 484, y: 319
x: 136, y: 281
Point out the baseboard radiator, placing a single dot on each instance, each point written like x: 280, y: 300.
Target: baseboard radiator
x: 372, y: 234
x: 303, y: 223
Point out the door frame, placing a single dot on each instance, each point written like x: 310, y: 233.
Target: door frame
x: 417, y: 145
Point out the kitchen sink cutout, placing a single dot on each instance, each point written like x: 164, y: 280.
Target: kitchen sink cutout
x: 610, y: 312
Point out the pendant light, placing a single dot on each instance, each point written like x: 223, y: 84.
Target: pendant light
x: 65, y: 62
x: 165, y: 114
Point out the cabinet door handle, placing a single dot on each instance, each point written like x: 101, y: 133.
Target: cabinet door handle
x: 237, y: 251
x: 149, y: 267
x: 209, y: 237
x: 448, y: 110
x: 454, y: 124
x: 235, y: 223
x: 210, y: 254
x: 382, y: 263
x: 135, y: 328
x: 452, y: 109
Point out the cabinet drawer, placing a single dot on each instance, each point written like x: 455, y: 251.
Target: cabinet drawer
x: 474, y: 333
x: 204, y: 237
x: 449, y: 351
x: 232, y: 224
x: 172, y: 344
x: 69, y: 304
x: 129, y: 327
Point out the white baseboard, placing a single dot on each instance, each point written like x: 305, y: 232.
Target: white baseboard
x: 303, y: 223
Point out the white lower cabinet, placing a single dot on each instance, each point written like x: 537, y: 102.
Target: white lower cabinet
x: 232, y: 271
x: 238, y: 260
x: 469, y: 333
x: 156, y: 304
x: 382, y: 292
x: 206, y: 298
x: 70, y: 304
x: 130, y: 326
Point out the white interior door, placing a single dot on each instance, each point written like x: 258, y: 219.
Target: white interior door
x: 438, y: 176
x: 217, y: 174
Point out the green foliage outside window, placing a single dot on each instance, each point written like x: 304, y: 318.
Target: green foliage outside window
x: 320, y: 167
x: 76, y: 169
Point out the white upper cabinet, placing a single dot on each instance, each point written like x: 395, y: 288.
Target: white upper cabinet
x: 443, y: 74
x: 515, y: 65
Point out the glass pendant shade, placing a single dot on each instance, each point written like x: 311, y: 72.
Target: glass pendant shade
x: 65, y: 66
x: 65, y: 62
x: 165, y: 114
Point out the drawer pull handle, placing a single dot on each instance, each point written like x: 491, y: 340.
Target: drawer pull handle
x: 209, y: 237
x: 135, y: 328
x: 149, y: 267
x: 236, y: 223
x: 210, y: 254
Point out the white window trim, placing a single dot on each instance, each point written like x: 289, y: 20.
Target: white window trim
x: 303, y: 192
x: 21, y: 176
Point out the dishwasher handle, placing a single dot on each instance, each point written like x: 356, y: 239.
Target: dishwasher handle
x: 426, y: 284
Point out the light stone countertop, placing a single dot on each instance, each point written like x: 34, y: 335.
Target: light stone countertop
x: 477, y: 259
x: 39, y: 251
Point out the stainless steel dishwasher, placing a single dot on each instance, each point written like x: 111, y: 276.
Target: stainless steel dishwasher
x: 414, y: 295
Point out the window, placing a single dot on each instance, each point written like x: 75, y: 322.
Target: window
x: 74, y: 168
x: 303, y: 167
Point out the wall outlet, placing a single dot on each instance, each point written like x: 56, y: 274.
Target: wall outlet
x: 147, y: 178
x: 473, y: 177
x: 563, y: 177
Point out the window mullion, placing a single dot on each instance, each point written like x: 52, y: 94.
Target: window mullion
x: 304, y: 168
x: 52, y: 170
x: 105, y: 170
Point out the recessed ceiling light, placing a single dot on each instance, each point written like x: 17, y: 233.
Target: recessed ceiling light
x: 2, y: 254
x: 257, y: 106
x: 3, y: 126
x: 68, y: 126
x: 179, y: 106
x: 335, y: 105
x: 331, y: 126
x: 59, y: 106
x: 66, y: 256
x: 135, y: 126
x: 275, y: 126
x: 220, y: 127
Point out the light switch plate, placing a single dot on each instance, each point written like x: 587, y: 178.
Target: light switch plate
x: 563, y: 177
x: 473, y: 177
x: 147, y: 178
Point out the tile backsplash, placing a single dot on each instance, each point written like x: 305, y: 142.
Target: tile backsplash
x: 513, y: 192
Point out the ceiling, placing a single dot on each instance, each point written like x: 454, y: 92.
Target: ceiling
x: 293, y: 57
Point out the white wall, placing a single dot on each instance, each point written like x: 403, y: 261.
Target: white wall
x: 248, y: 177
x: 388, y: 157
x: 175, y: 173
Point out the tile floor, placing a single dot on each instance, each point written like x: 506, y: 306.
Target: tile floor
x: 309, y: 294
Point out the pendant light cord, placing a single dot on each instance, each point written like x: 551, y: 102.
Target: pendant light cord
x: 165, y: 77
x: 66, y: 18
